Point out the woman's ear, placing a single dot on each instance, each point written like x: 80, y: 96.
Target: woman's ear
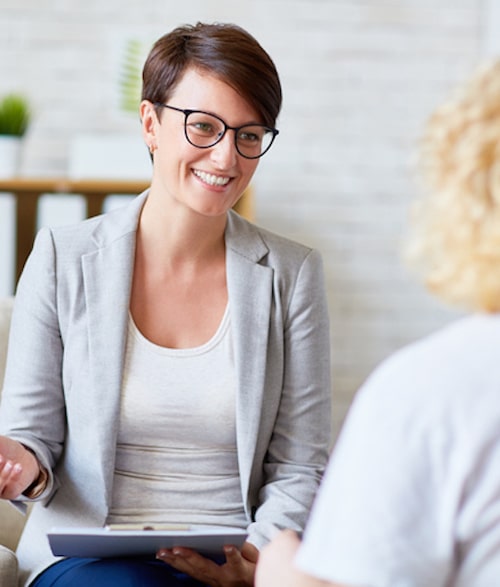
x: 150, y: 123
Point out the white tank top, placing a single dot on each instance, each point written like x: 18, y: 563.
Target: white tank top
x: 176, y: 459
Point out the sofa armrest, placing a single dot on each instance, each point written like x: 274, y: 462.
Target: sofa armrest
x: 11, y: 525
x: 8, y: 567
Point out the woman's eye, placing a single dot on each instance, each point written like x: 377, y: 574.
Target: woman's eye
x: 249, y: 137
x: 204, y: 127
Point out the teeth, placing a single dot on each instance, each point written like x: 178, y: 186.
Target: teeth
x: 211, y: 179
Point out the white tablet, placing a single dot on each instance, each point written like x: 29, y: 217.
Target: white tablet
x: 123, y: 540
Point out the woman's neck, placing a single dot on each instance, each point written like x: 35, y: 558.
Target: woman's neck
x: 179, y: 235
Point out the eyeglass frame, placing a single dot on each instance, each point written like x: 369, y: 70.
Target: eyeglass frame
x: 187, y: 112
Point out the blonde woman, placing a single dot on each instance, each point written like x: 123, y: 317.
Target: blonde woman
x: 411, y: 497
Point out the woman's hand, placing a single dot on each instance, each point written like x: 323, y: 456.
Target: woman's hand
x: 276, y: 569
x: 276, y: 563
x: 237, y: 571
x: 18, y: 468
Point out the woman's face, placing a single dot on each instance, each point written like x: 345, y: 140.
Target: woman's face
x: 208, y: 181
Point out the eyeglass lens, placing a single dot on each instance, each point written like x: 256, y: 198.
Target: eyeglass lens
x: 204, y: 130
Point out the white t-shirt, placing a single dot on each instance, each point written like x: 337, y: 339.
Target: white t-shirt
x: 411, y: 497
x: 176, y: 456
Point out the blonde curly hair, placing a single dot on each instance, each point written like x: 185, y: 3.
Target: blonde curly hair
x: 454, y: 240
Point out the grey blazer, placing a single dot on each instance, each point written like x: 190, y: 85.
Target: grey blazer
x: 62, y: 385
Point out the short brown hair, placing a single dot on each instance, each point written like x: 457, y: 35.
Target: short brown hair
x: 225, y: 50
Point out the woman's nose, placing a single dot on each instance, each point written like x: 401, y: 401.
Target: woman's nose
x: 224, y: 153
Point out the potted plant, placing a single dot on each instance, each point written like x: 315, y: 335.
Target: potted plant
x: 15, y: 117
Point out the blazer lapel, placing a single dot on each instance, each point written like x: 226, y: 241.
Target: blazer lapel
x: 250, y: 294
x: 107, y: 273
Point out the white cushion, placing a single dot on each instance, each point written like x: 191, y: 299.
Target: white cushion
x: 8, y: 567
x: 5, y: 315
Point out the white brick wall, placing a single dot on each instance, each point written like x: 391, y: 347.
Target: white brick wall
x: 359, y: 77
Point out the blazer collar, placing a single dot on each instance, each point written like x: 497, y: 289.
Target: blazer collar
x: 244, y: 239
x: 120, y: 222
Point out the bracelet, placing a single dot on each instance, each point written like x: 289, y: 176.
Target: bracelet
x: 40, y: 483
x: 38, y: 486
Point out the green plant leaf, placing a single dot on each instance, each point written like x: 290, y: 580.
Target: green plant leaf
x: 15, y: 115
x: 130, y: 77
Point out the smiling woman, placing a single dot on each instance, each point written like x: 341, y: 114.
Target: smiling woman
x: 177, y: 355
x: 220, y: 172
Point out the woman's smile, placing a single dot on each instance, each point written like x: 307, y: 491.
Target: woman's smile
x: 211, y: 179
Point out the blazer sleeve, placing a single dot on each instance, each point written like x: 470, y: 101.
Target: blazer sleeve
x: 32, y: 410
x: 299, y: 446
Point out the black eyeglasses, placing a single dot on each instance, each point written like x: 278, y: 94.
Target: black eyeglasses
x: 204, y: 130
